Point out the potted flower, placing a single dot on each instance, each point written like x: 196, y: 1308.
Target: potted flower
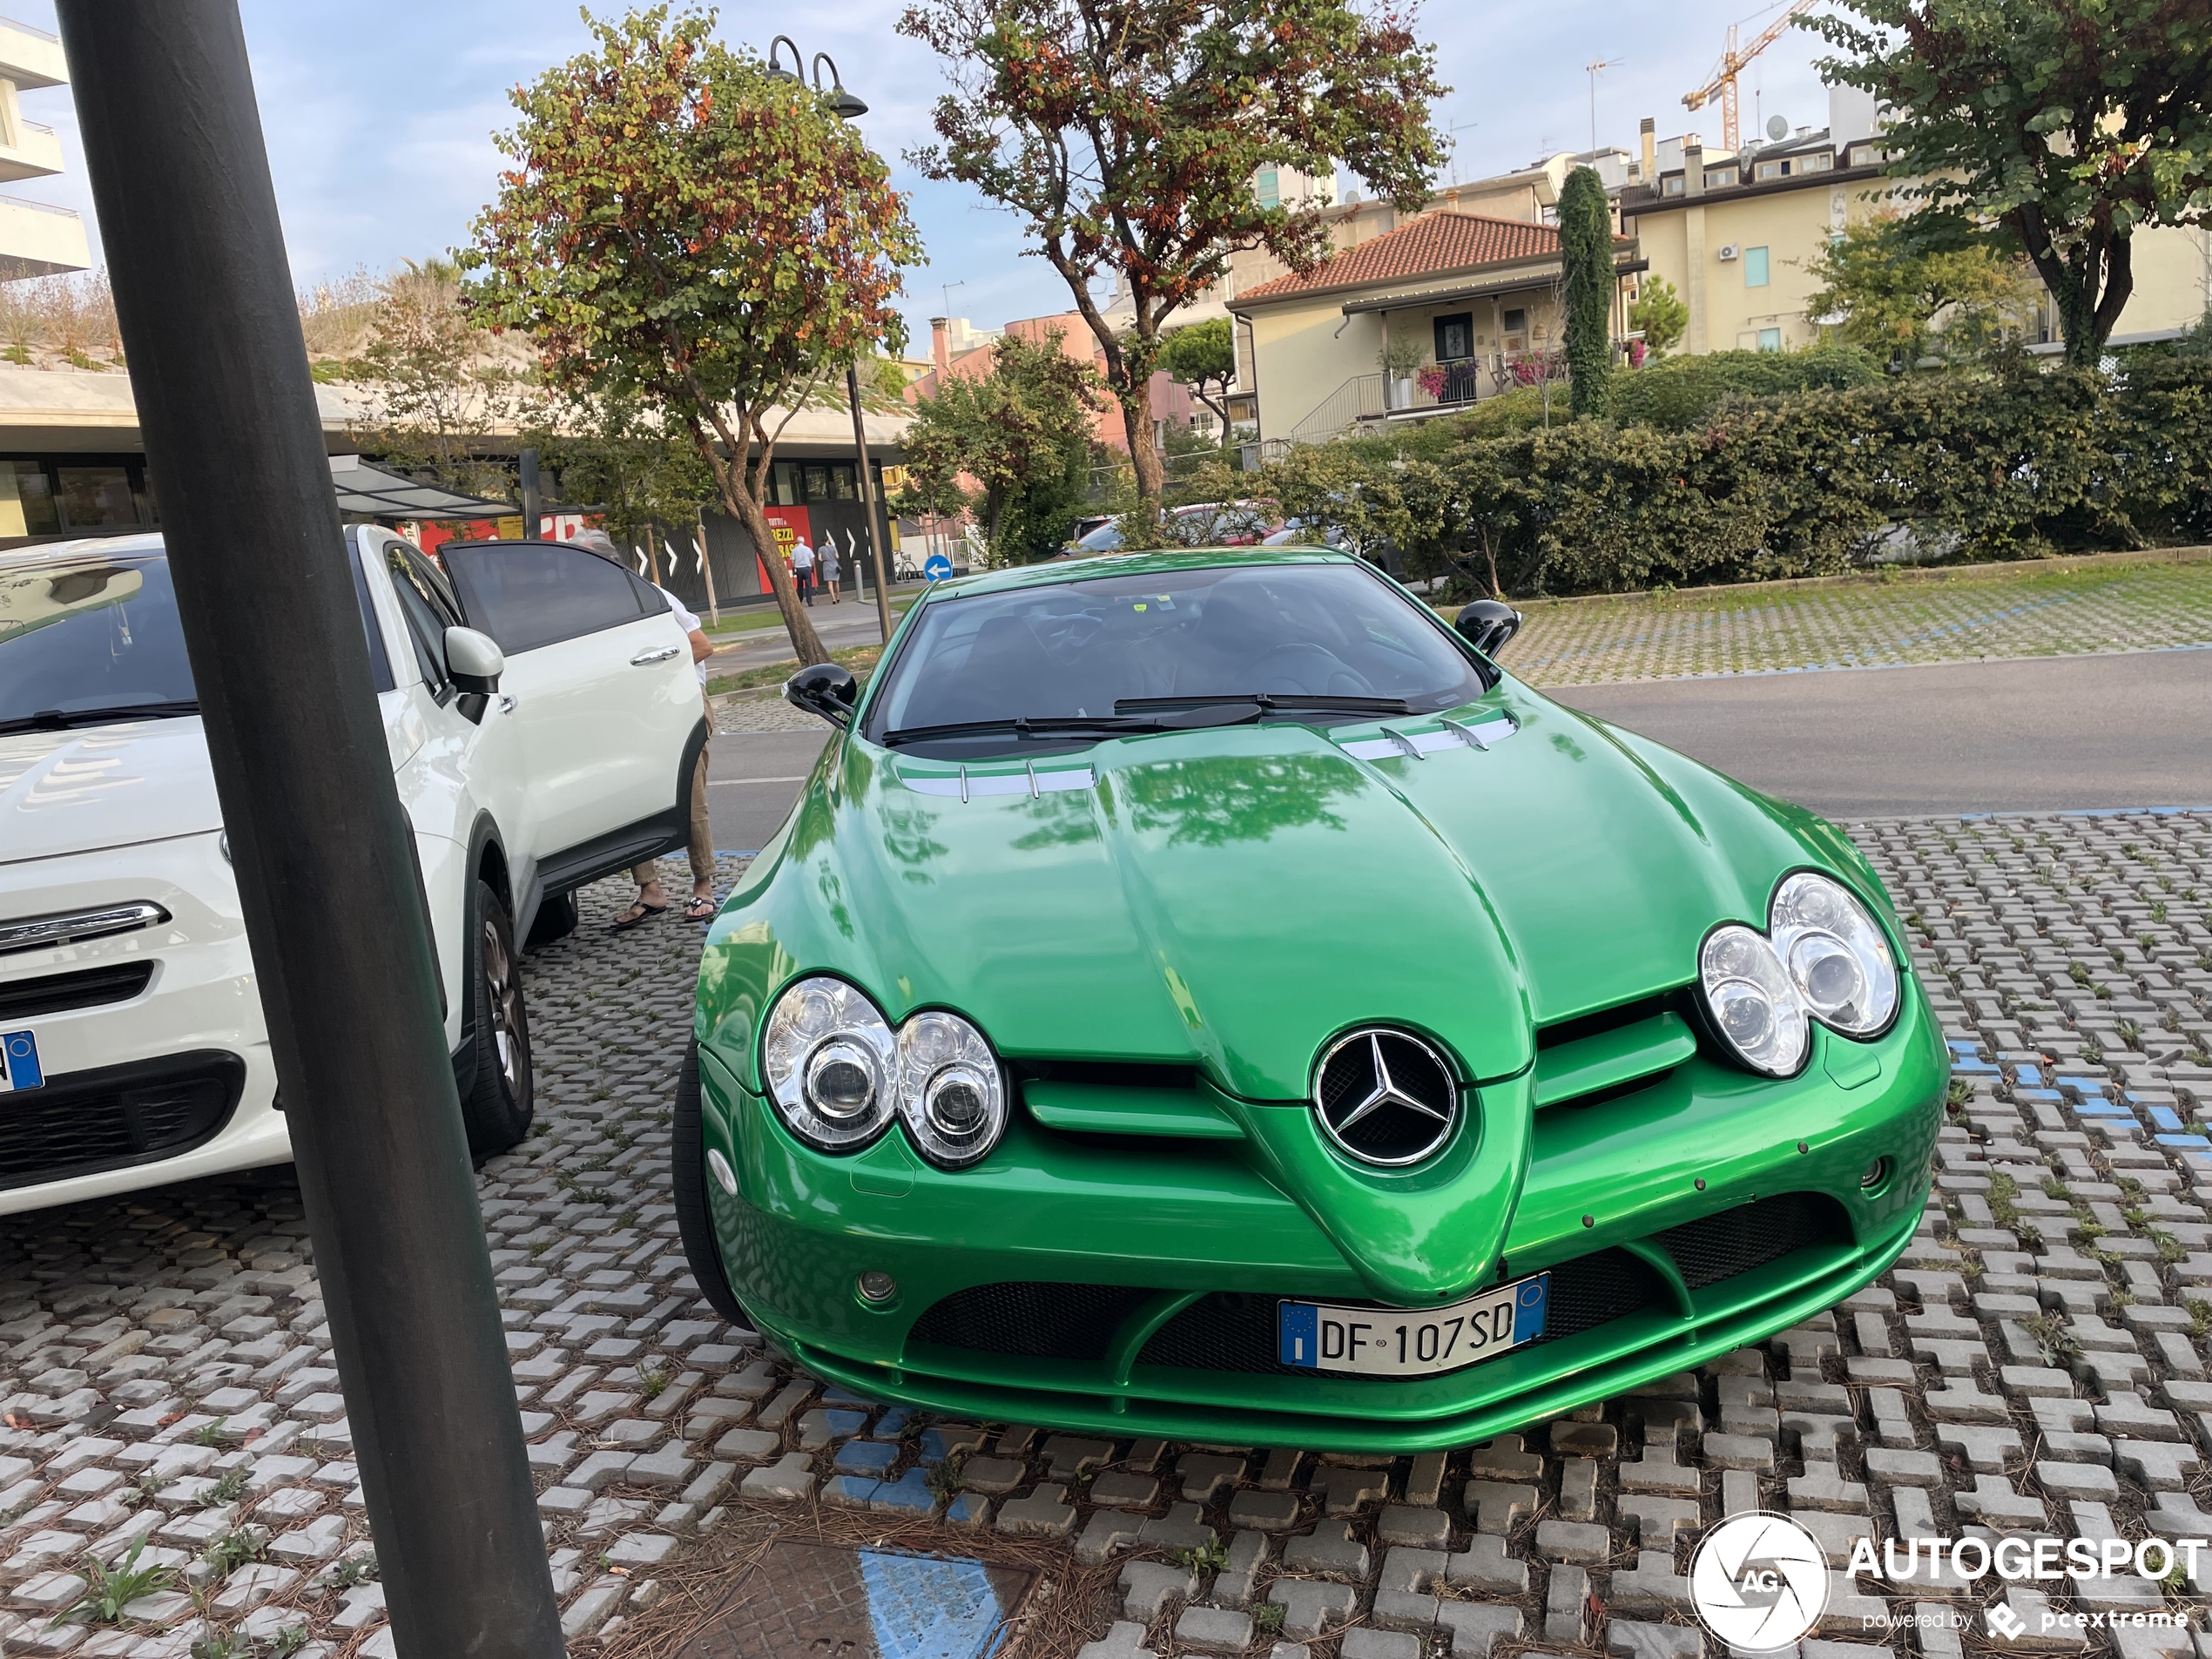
x: 1399, y: 357
x: 1433, y: 379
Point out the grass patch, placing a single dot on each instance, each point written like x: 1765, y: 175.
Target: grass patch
x: 859, y: 659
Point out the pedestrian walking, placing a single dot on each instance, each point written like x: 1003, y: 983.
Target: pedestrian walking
x: 652, y: 898
x: 829, y: 567
x: 802, y: 569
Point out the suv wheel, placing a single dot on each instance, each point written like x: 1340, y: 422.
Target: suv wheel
x: 496, y: 1108
x: 694, y: 1216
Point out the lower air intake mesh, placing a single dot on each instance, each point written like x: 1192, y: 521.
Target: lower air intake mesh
x: 85, y: 1121
x: 1037, y: 1321
x: 1735, y: 1241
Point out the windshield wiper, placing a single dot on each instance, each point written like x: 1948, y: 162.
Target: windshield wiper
x: 1057, y: 725
x: 68, y: 719
x: 1267, y: 702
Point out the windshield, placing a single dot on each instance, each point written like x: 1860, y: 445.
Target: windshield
x: 1090, y: 649
x: 87, y: 640
x: 81, y: 640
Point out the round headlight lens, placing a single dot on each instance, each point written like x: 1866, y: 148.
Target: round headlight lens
x: 1839, y: 962
x: 830, y: 1060
x: 1755, y: 1007
x: 950, y: 1094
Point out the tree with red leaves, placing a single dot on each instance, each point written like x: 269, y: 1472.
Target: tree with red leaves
x: 682, y: 229
x: 1129, y: 134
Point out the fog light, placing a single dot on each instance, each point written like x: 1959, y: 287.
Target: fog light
x: 1877, y: 1172
x: 878, y: 1287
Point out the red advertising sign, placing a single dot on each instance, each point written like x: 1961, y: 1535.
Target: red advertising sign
x: 789, y: 525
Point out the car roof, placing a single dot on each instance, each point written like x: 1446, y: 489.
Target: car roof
x: 1111, y: 564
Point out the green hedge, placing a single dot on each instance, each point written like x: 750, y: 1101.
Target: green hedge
x: 1974, y: 467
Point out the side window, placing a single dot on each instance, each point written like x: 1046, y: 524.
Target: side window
x: 428, y: 605
x: 380, y: 665
x: 1755, y: 267
x: 529, y: 594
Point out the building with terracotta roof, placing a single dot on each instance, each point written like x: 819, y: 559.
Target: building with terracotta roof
x: 1469, y: 302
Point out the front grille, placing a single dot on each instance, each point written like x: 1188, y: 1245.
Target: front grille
x: 1037, y: 1321
x: 1108, y: 1074
x: 1612, y: 1019
x: 85, y: 988
x: 1231, y: 1331
x: 1735, y: 1241
x: 83, y: 1122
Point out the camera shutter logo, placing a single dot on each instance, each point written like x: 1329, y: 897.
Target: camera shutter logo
x: 1759, y: 1582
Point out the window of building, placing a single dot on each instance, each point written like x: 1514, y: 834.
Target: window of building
x: 26, y: 503
x: 844, y: 484
x: 1720, y: 178
x: 1267, y: 185
x: 1670, y: 187
x: 97, y: 498
x: 784, y: 484
x: 1819, y: 161
x: 1769, y: 338
x: 1770, y: 170
x: 1863, y: 155
x: 818, y: 487
x: 1455, y: 337
x: 1755, y: 267
x: 1516, y: 326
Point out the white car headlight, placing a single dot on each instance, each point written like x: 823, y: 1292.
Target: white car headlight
x: 1821, y: 958
x: 950, y: 1093
x: 1755, y: 1007
x: 833, y: 1065
x: 1839, y: 959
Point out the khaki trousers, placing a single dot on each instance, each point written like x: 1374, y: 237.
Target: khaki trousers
x: 701, y: 849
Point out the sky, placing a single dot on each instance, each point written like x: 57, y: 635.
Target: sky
x: 379, y: 119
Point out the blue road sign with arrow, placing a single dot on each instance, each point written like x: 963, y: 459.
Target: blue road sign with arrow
x: 936, y: 566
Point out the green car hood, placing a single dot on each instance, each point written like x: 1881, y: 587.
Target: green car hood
x: 1235, y: 897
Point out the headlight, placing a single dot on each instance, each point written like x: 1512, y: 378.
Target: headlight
x: 1821, y: 958
x: 832, y: 1065
x: 1839, y: 959
x: 950, y: 1093
x: 1753, y: 1003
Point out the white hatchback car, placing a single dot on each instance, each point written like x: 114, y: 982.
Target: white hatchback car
x: 130, y: 1029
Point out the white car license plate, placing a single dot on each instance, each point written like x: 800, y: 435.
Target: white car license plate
x: 1411, y: 1342
x: 19, y: 1067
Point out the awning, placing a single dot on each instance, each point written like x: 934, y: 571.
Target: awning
x: 374, y: 493
x: 1523, y: 282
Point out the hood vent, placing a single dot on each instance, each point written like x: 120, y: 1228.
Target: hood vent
x: 1418, y: 745
x: 965, y: 784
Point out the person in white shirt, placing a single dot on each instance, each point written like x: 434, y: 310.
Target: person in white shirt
x: 653, y: 899
x: 802, y: 569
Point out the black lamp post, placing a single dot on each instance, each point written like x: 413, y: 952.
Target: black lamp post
x: 845, y: 107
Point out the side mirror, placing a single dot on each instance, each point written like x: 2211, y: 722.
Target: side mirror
x: 1487, y: 624
x: 474, y: 661
x: 824, y: 689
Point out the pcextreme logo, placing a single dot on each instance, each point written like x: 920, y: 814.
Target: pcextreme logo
x: 1759, y: 1582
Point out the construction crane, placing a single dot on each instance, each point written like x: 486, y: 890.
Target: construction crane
x: 1732, y: 62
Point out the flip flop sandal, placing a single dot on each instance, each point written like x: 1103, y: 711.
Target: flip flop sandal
x: 700, y: 910
x: 645, y: 913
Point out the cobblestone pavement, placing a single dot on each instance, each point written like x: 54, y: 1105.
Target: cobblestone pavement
x: 2035, y: 1365
x: 2017, y: 613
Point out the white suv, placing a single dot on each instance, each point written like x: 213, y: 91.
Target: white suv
x: 131, y: 1044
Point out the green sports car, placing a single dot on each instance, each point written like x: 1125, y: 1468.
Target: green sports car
x: 1202, y: 995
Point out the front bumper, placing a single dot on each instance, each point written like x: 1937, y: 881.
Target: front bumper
x: 1698, y: 1214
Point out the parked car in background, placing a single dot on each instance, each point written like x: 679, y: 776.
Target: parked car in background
x: 1240, y: 524
x: 542, y: 719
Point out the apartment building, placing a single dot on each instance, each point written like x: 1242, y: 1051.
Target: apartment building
x: 35, y: 240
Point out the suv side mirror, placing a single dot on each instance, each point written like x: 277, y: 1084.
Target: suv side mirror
x: 824, y: 689
x: 474, y: 661
x: 1487, y: 624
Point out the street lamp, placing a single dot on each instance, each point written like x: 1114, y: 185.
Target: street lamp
x: 845, y: 107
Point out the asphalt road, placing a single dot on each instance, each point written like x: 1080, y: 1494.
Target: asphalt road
x: 2039, y: 735
x: 2044, y: 735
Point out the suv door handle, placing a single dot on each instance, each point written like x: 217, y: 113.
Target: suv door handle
x: 654, y: 654
x: 506, y: 703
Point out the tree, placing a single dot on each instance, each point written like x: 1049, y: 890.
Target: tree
x: 433, y: 376
x: 2066, y: 123
x: 640, y: 471
x: 1659, y: 315
x: 684, y: 231
x: 1890, y: 293
x: 1021, y: 432
x: 1586, y: 272
x: 1127, y: 134
x: 1201, y: 354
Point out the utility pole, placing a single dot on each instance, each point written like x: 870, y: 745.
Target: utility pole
x: 327, y: 880
x: 868, y: 505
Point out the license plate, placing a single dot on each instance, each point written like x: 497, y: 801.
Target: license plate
x: 1411, y: 1342
x: 19, y: 1067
